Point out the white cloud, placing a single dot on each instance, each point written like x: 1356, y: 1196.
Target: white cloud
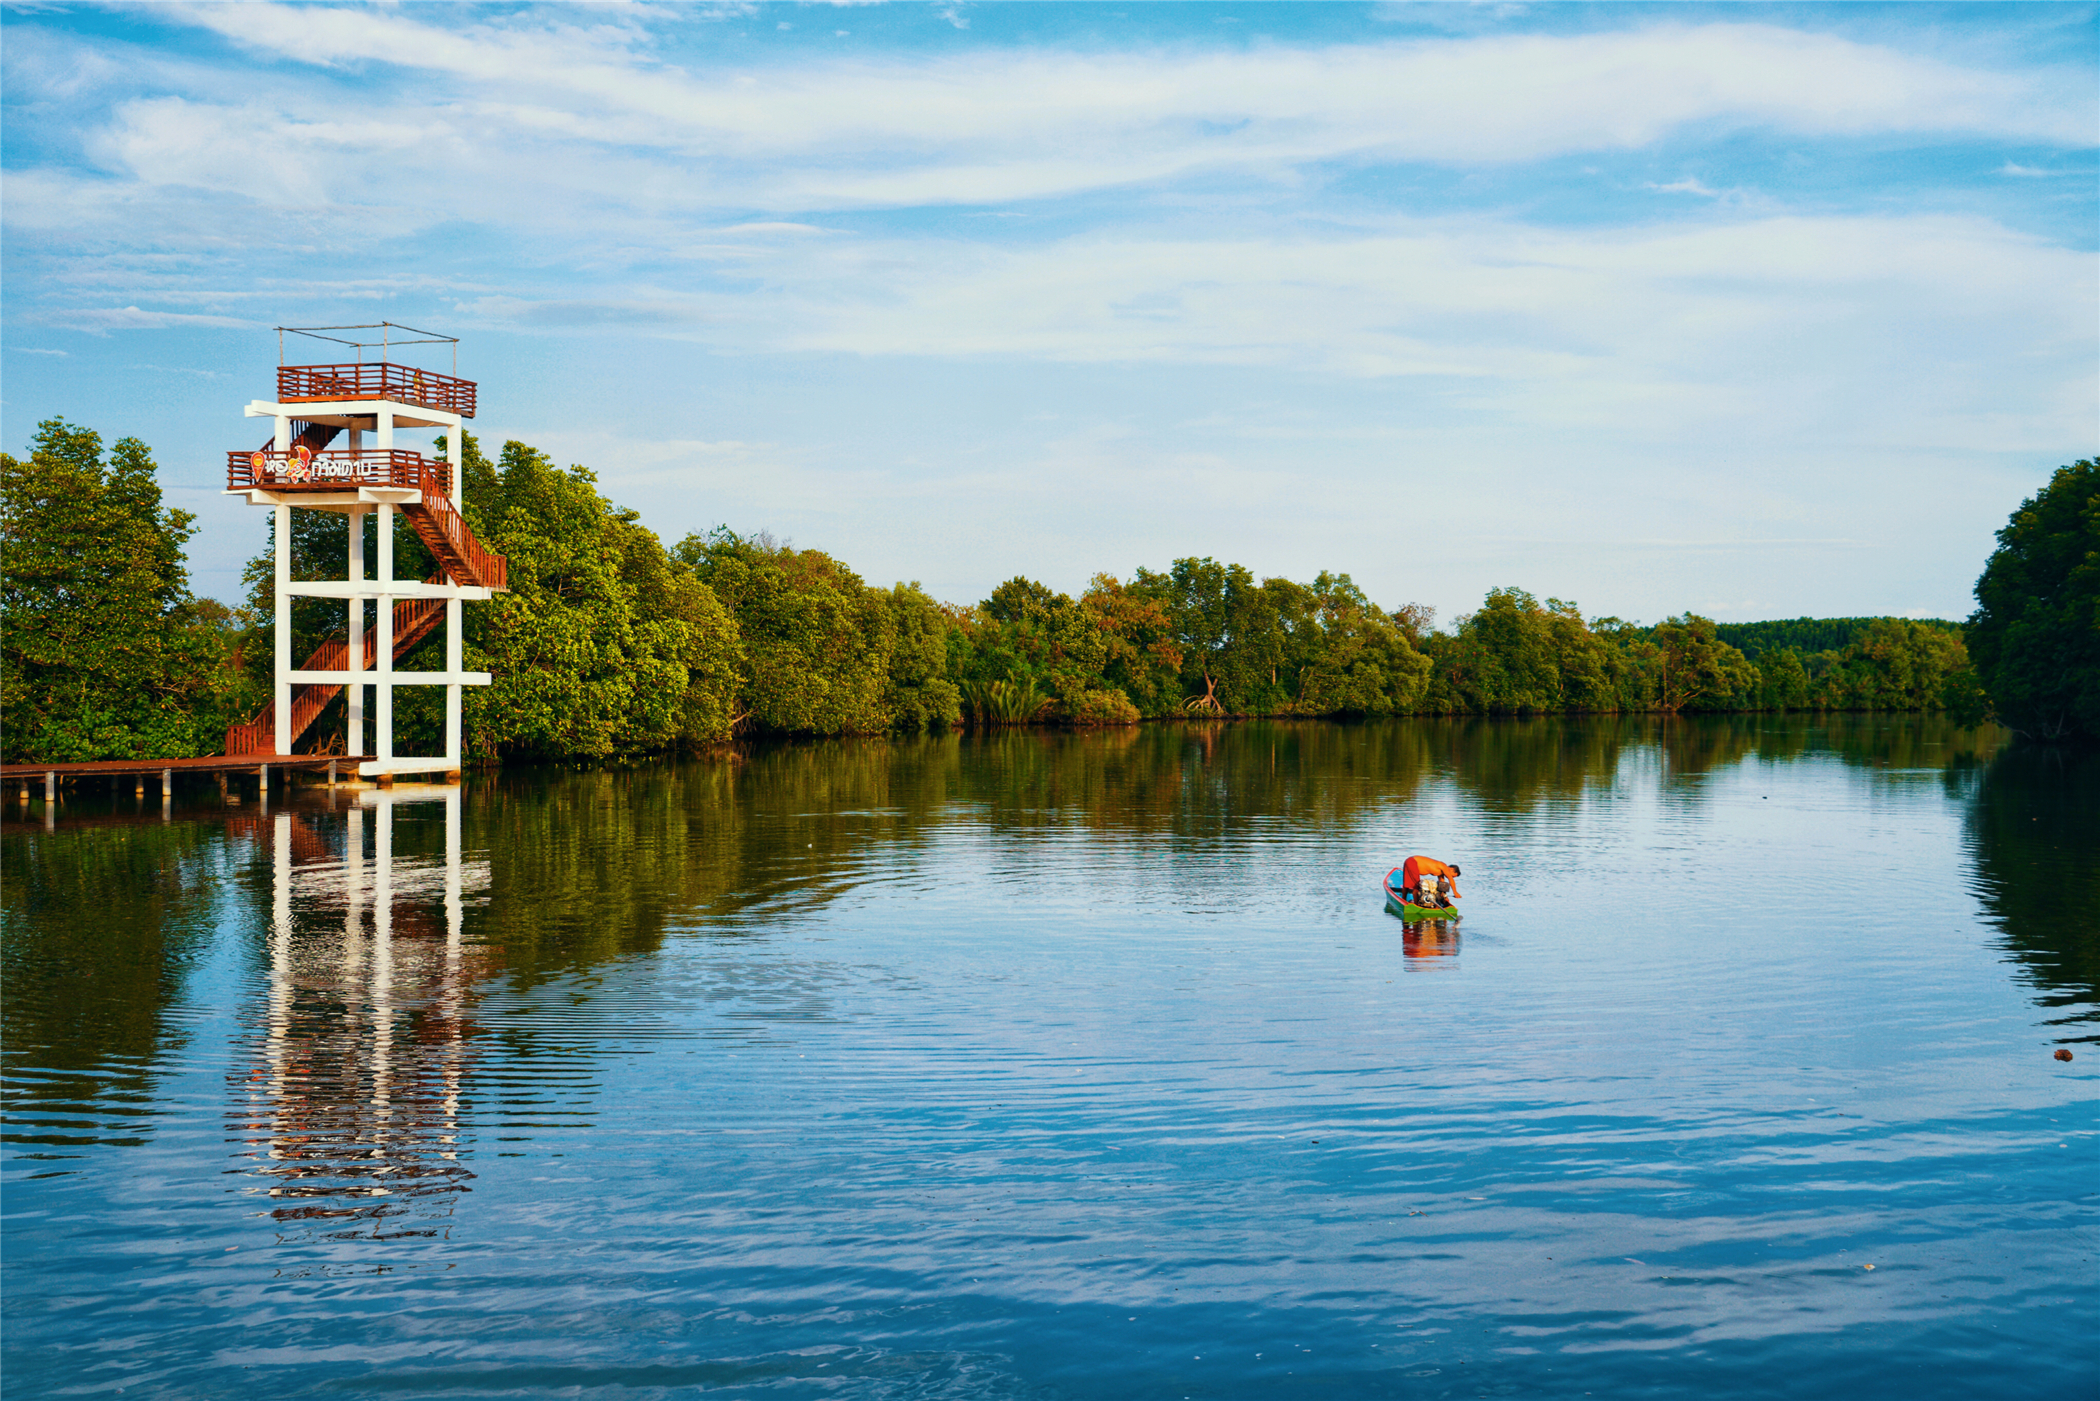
x: 1951, y: 332
x: 575, y: 314
x: 1686, y: 186
x: 992, y: 125
x: 189, y: 371
x: 776, y: 227
x: 1463, y: 299
x: 102, y: 320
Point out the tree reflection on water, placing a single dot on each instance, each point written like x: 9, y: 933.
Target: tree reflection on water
x: 102, y: 931
x: 2034, y: 830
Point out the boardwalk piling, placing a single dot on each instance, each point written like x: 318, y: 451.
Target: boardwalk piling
x: 110, y: 776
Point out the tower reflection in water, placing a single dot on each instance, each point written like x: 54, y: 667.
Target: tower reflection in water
x: 350, y: 1109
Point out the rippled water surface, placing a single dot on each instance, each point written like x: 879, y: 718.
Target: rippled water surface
x: 1074, y: 1066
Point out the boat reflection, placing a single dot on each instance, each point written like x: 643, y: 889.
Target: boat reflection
x: 350, y: 1106
x: 1428, y: 939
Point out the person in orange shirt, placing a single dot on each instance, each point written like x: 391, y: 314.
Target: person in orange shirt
x: 1428, y: 882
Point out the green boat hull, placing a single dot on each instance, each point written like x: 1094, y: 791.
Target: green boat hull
x: 1415, y: 912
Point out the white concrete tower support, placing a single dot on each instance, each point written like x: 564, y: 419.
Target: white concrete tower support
x: 354, y: 631
x: 281, y: 694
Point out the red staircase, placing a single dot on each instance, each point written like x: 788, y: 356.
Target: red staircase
x: 414, y: 620
x: 443, y: 531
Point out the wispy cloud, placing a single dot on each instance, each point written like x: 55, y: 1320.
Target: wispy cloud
x: 563, y: 313
x: 1686, y: 186
x: 189, y: 371
x: 586, y: 107
x: 102, y: 320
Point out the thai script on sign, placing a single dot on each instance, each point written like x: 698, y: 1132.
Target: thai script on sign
x: 301, y: 464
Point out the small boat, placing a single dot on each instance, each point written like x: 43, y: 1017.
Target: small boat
x: 1398, y: 904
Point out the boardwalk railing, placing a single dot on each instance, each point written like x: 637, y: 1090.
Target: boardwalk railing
x: 307, y: 384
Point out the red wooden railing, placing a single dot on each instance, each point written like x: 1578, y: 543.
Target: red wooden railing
x: 444, y: 533
x: 332, y: 470
x: 435, y: 519
x: 306, y: 384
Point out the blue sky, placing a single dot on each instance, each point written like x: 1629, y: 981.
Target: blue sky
x: 1755, y: 311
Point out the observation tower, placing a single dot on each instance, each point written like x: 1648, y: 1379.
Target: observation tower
x: 365, y: 403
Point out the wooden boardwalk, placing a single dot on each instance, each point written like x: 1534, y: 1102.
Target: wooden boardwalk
x: 19, y: 780
x: 211, y: 764
x: 22, y: 784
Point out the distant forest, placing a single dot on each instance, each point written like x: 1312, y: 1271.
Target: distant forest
x: 611, y: 643
x: 1808, y: 635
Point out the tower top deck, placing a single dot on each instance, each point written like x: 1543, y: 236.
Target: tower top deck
x: 380, y: 378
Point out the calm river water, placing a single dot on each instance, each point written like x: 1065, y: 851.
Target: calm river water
x: 1085, y: 1066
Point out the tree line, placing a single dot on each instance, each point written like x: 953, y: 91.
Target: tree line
x: 610, y: 642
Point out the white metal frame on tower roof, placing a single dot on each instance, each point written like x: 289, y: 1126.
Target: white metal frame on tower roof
x: 356, y: 501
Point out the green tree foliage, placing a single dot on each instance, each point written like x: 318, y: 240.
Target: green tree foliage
x: 1518, y: 656
x: 1347, y: 656
x: 606, y: 643
x: 1202, y: 638
x: 918, y: 694
x: 1231, y: 637
x: 1143, y: 663
x: 822, y: 652
x: 1890, y: 665
x: 104, y: 654
x: 2035, y: 635
x: 1693, y: 669
x: 1031, y: 653
x: 1782, y: 681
